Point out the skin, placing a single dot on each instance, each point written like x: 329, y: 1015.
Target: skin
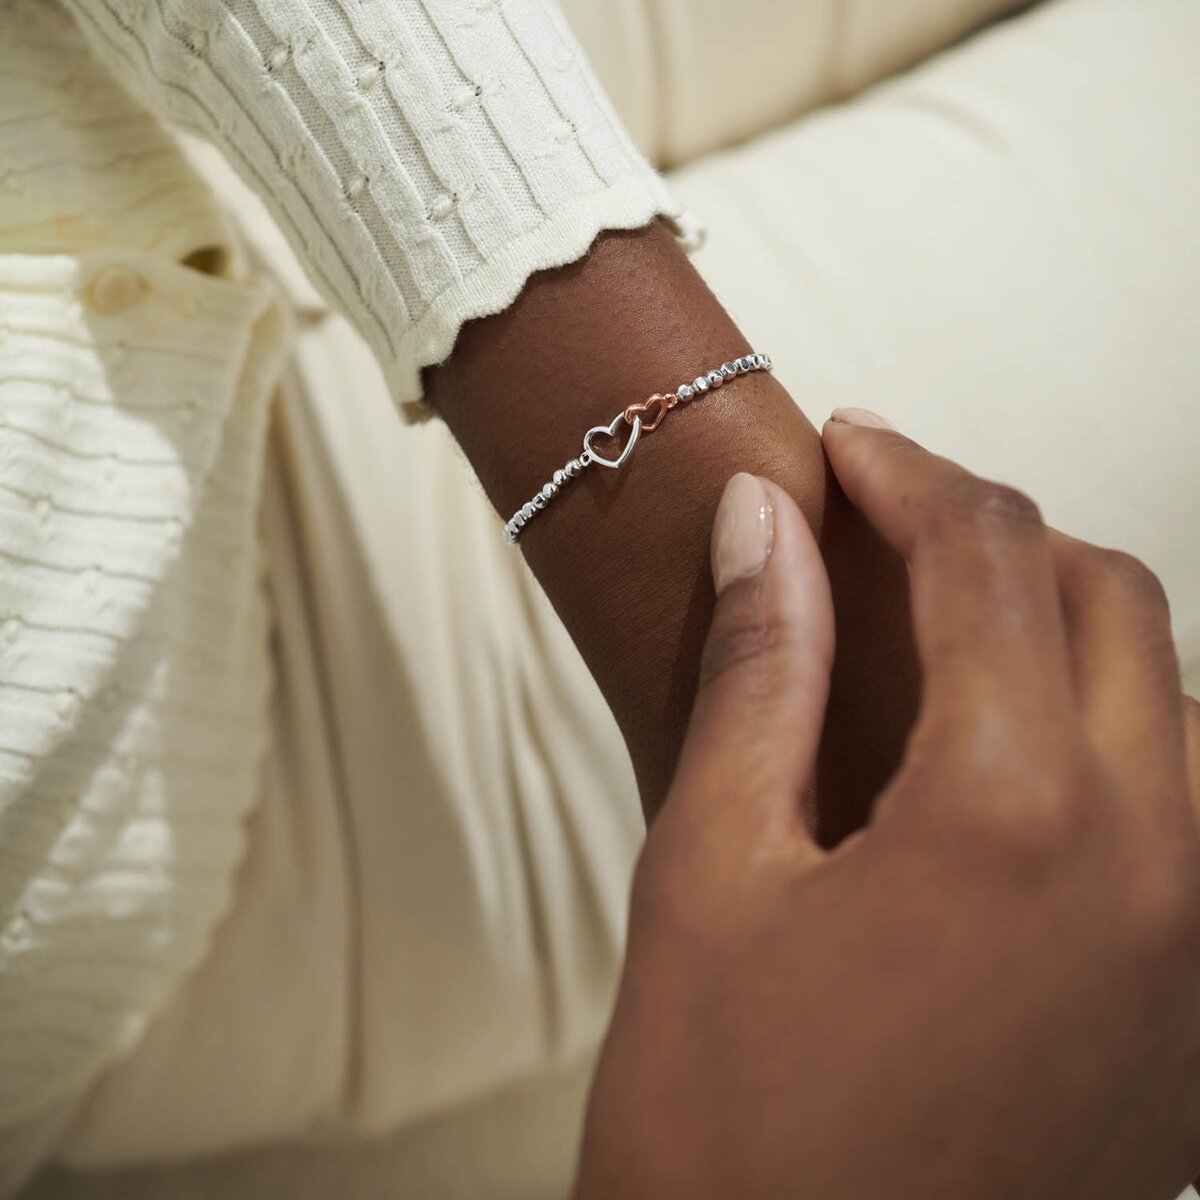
x: 623, y: 555
x: 993, y: 989
x: 745, y: 930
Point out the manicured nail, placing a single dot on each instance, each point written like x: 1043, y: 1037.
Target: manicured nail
x: 743, y: 530
x: 860, y: 416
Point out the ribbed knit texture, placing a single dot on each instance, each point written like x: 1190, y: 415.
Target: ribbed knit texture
x: 133, y: 671
x: 424, y: 157
x: 133, y: 665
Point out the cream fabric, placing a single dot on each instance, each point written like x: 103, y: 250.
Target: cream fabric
x: 693, y: 76
x: 426, y: 156
x: 997, y: 251
x: 475, y: 812
x: 133, y: 659
x: 426, y: 160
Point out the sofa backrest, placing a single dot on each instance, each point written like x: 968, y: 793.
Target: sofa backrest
x: 689, y: 76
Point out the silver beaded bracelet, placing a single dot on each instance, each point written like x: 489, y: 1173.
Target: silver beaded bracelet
x: 643, y: 417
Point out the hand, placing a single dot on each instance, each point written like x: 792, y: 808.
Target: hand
x: 990, y: 991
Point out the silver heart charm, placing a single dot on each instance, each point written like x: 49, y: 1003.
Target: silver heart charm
x: 611, y: 431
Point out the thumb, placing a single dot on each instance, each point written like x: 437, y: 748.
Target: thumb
x: 751, y: 743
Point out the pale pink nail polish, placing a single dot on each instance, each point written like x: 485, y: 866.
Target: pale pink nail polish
x: 860, y: 416
x: 743, y: 530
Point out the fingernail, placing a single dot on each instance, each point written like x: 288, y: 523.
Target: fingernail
x: 860, y: 416
x: 743, y: 530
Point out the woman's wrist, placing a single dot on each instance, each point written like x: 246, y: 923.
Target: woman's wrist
x: 580, y: 343
x: 623, y: 556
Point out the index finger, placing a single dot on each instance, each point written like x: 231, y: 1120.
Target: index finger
x: 986, y: 610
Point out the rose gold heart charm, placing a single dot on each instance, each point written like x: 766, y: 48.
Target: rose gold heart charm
x: 661, y: 402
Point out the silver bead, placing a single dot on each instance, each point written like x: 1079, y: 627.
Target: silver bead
x: 767, y: 362
x: 527, y: 510
x: 758, y: 360
x: 584, y: 458
x: 539, y: 501
x: 573, y: 469
x: 685, y: 392
x: 715, y: 379
x: 549, y: 491
x: 510, y: 533
x: 560, y: 477
x: 700, y: 383
x: 729, y: 370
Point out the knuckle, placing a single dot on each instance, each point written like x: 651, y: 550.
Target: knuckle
x: 1128, y: 577
x: 1164, y: 907
x: 1035, y: 833
x: 1034, y: 811
x: 981, y: 506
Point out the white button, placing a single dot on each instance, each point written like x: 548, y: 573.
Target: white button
x: 114, y: 289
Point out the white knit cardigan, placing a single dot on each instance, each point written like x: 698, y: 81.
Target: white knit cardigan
x: 423, y: 157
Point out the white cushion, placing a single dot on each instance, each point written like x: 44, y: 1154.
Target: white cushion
x: 688, y: 76
x: 1000, y: 253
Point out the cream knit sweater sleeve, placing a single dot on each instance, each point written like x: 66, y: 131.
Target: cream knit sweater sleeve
x: 424, y: 157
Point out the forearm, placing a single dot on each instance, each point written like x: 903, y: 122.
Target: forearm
x: 624, y: 555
